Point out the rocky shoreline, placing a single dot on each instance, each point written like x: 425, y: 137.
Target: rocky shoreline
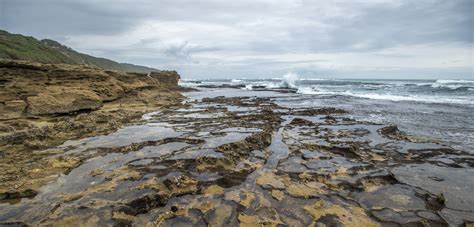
x: 43, y: 105
x: 207, y: 160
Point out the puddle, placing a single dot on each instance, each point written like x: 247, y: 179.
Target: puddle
x: 125, y: 136
x: 245, y: 160
x: 456, y: 184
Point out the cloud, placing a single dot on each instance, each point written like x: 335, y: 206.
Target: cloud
x: 260, y: 38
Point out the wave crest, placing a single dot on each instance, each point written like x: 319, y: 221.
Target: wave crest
x: 454, y: 81
x: 289, y: 80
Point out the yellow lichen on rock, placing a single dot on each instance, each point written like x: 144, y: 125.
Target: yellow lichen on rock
x: 244, y: 198
x: 278, y: 195
x: 248, y: 220
x: 214, y: 190
x: 153, y: 184
x: 205, y: 207
x: 182, y: 184
x: 163, y: 217
x: 96, y: 172
x: 63, y: 162
x: 303, y: 190
x: 269, y: 179
x: 249, y: 197
x: 256, y: 220
x: 351, y: 216
x: 123, y: 216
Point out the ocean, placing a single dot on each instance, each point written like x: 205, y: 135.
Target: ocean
x: 270, y: 151
x: 435, y: 109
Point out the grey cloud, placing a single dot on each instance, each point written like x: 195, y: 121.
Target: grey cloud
x: 54, y: 18
x: 384, y: 25
x: 229, y: 37
x: 413, y: 22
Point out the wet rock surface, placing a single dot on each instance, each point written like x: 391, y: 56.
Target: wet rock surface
x: 250, y: 162
x: 43, y: 105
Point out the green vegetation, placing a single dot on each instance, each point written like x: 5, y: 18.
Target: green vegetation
x: 19, y: 47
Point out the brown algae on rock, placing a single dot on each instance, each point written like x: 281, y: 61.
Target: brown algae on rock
x: 224, y: 161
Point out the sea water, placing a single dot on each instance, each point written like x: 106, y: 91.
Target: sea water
x: 436, y: 109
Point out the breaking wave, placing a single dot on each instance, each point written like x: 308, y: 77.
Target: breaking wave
x: 439, y: 91
x: 455, y: 81
x: 289, y: 80
x: 453, y: 84
x: 428, y: 91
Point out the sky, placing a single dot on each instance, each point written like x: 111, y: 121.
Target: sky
x: 390, y: 39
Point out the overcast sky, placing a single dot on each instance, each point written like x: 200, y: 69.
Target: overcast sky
x: 262, y: 38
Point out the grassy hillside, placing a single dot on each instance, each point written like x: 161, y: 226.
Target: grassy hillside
x: 19, y: 47
x: 14, y: 46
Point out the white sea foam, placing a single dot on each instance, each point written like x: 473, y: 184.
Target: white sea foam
x: 187, y: 83
x: 270, y: 84
x: 317, y: 91
x: 454, y: 81
x: 289, y: 80
x: 423, y: 84
x: 414, y: 98
x: 315, y: 79
x: 390, y: 97
x: 377, y: 89
x: 452, y: 84
x: 248, y: 87
x: 307, y: 91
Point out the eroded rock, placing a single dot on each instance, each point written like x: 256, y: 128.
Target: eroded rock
x: 327, y: 213
x: 231, y: 161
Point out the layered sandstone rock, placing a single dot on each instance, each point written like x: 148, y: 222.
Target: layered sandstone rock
x: 44, y: 105
x: 39, y: 89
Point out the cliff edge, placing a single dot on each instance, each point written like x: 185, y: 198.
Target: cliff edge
x: 43, y: 105
x: 30, y: 89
